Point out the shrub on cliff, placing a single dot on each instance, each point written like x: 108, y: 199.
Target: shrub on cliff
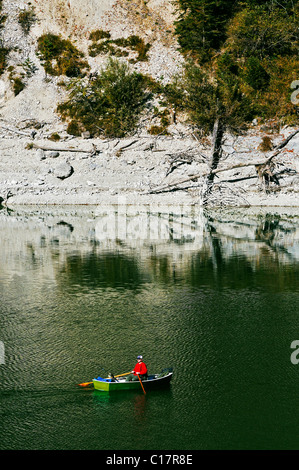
x: 4, y: 51
x: 110, y: 105
x: 26, y: 19
x: 60, y: 56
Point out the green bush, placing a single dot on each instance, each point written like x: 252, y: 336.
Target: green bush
x: 99, y: 34
x: 73, y: 128
x: 109, y: 105
x: 4, y: 51
x: 255, y: 74
x: 201, y: 26
x: 264, y: 31
x: 275, y: 100
x: 211, y: 93
x: 3, y: 58
x: 18, y: 85
x: 26, y: 19
x: 138, y: 45
x: 29, y: 67
x: 157, y: 130
x: 60, y: 56
x: 55, y: 137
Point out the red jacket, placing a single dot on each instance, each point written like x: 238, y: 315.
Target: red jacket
x: 141, y: 368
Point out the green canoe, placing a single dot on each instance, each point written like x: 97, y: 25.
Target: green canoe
x: 153, y: 382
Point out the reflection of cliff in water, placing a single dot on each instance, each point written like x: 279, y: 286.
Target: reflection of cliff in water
x: 117, y: 248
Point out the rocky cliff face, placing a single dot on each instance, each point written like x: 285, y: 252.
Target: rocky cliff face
x: 74, y: 20
x: 77, y: 17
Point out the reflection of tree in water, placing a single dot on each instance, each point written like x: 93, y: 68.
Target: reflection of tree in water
x: 102, y: 270
x: 266, y: 267
x: 162, y: 269
x: 253, y: 258
x: 271, y: 229
x: 117, y: 270
x: 213, y: 269
x: 268, y: 229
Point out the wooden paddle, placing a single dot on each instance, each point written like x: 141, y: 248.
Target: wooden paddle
x: 141, y: 384
x: 84, y: 384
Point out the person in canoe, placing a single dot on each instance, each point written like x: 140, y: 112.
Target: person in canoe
x: 140, y: 369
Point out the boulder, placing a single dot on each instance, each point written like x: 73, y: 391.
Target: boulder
x: 63, y: 171
x: 41, y: 154
x: 85, y: 135
x: 53, y: 154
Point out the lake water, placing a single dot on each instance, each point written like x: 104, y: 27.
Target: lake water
x: 215, y: 295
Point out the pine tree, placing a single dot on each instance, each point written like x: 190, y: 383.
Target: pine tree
x: 232, y: 46
x: 201, y: 27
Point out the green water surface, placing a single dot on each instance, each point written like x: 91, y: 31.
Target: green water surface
x: 220, y: 306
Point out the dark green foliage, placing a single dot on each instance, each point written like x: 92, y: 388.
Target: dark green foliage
x: 4, y: 51
x: 157, y: 130
x: 243, y: 56
x: 264, y: 30
x: 3, y: 58
x: 154, y: 86
x: 109, y: 105
x: 18, y: 85
x: 175, y: 93
x: 73, y: 128
x: 54, y: 137
x: 26, y: 19
x: 60, y: 56
x: 201, y: 27
x: 99, y: 34
x: 51, y: 46
x: 215, y: 94
x: 29, y: 67
x: 138, y: 45
x: 263, y: 36
x: 255, y: 74
x: 249, y: 27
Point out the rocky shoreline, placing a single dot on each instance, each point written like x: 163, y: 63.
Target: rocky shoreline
x: 37, y: 170
x: 78, y: 171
